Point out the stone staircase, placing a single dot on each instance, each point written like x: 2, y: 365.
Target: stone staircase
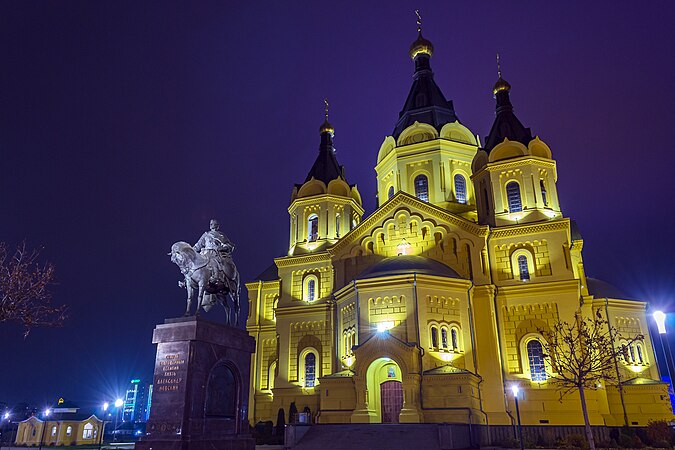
x: 376, y: 437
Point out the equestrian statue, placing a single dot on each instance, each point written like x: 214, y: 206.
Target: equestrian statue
x: 210, y: 272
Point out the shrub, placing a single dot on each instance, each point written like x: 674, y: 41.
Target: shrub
x: 658, y: 431
x: 576, y: 441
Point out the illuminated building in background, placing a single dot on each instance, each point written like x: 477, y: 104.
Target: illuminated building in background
x: 431, y: 308
x: 136, y: 406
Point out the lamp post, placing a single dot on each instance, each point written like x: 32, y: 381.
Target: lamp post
x: 118, y: 404
x: 105, y: 410
x: 44, y: 425
x: 5, y: 420
x: 515, y: 389
x: 660, y: 319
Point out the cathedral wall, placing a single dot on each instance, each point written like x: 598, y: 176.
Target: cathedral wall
x: 545, y: 246
x: 305, y: 335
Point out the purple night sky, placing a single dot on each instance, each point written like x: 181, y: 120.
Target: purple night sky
x: 126, y: 126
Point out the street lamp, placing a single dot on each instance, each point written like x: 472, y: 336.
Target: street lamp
x: 44, y: 425
x: 118, y: 403
x: 514, y: 389
x: 4, y: 425
x: 660, y: 319
x: 105, y: 409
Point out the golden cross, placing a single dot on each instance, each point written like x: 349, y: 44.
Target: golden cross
x: 419, y: 21
x: 325, y: 100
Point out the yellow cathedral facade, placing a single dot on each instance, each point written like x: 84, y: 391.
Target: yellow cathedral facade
x: 430, y: 308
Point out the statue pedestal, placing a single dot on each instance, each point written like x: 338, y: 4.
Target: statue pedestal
x: 201, y: 386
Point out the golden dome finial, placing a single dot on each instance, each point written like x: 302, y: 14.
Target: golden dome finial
x: 501, y: 84
x: 326, y: 127
x: 421, y: 45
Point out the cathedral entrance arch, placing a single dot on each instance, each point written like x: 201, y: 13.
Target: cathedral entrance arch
x: 385, y: 390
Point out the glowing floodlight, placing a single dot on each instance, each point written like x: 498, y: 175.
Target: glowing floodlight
x: 118, y: 403
x: 660, y: 318
x: 384, y: 326
x: 515, y: 389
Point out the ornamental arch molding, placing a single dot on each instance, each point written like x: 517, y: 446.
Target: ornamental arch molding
x: 384, y: 345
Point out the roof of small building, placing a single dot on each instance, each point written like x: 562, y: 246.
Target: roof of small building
x: 407, y: 264
x: 602, y: 289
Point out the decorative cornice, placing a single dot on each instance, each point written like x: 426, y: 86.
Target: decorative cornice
x: 511, y: 163
x: 286, y: 261
x: 528, y: 229
x: 325, y: 197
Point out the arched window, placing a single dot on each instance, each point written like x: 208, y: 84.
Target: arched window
x: 310, y: 369
x: 542, y: 185
x: 631, y: 349
x: 434, y: 337
x: 337, y: 225
x: 535, y: 356
x: 444, y: 337
x: 523, y: 268
x: 271, y: 374
x: 54, y: 430
x: 313, y: 228
x: 310, y: 288
x: 641, y: 359
x: 88, y: 431
x: 460, y: 188
x: 390, y: 193
x: 69, y: 431
x: 513, y: 195
x: 454, y: 340
x: 422, y: 187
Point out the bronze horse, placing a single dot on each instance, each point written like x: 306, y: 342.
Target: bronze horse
x: 202, y: 275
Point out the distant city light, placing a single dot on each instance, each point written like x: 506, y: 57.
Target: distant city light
x: 105, y: 406
x: 6, y: 416
x: 135, y: 381
x: 118, y: 403
x: 660, y: 318
x: 48, y: 412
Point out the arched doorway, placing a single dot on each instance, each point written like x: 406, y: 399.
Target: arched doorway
x: 385, y: 391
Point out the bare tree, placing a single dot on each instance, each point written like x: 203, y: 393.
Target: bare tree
x: 24, y: 294
x: 583, y: 354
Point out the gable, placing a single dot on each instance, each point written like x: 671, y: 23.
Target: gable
x: 409, y: 226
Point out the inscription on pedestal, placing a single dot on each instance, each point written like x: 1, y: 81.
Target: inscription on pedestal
x: 170, y: 376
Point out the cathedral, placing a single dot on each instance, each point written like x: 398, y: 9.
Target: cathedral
x: 431, y: 309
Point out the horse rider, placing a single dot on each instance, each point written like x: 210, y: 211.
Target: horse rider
x: 217, y: 247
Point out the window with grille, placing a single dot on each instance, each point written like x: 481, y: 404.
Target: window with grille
x: 337, y: 225
x: 444, y: 338
x: 523, y: 268
x: 311, y: 290
x: 535, y: 356
x: 543, y: 191
x: 460, y: 188
x: 422, y: 187
x: 390, y: 194
x: 513, y: 195
x: 454, y: 340
x: 310, y: 369
x: 313, y: 228
x: 434, y: 337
